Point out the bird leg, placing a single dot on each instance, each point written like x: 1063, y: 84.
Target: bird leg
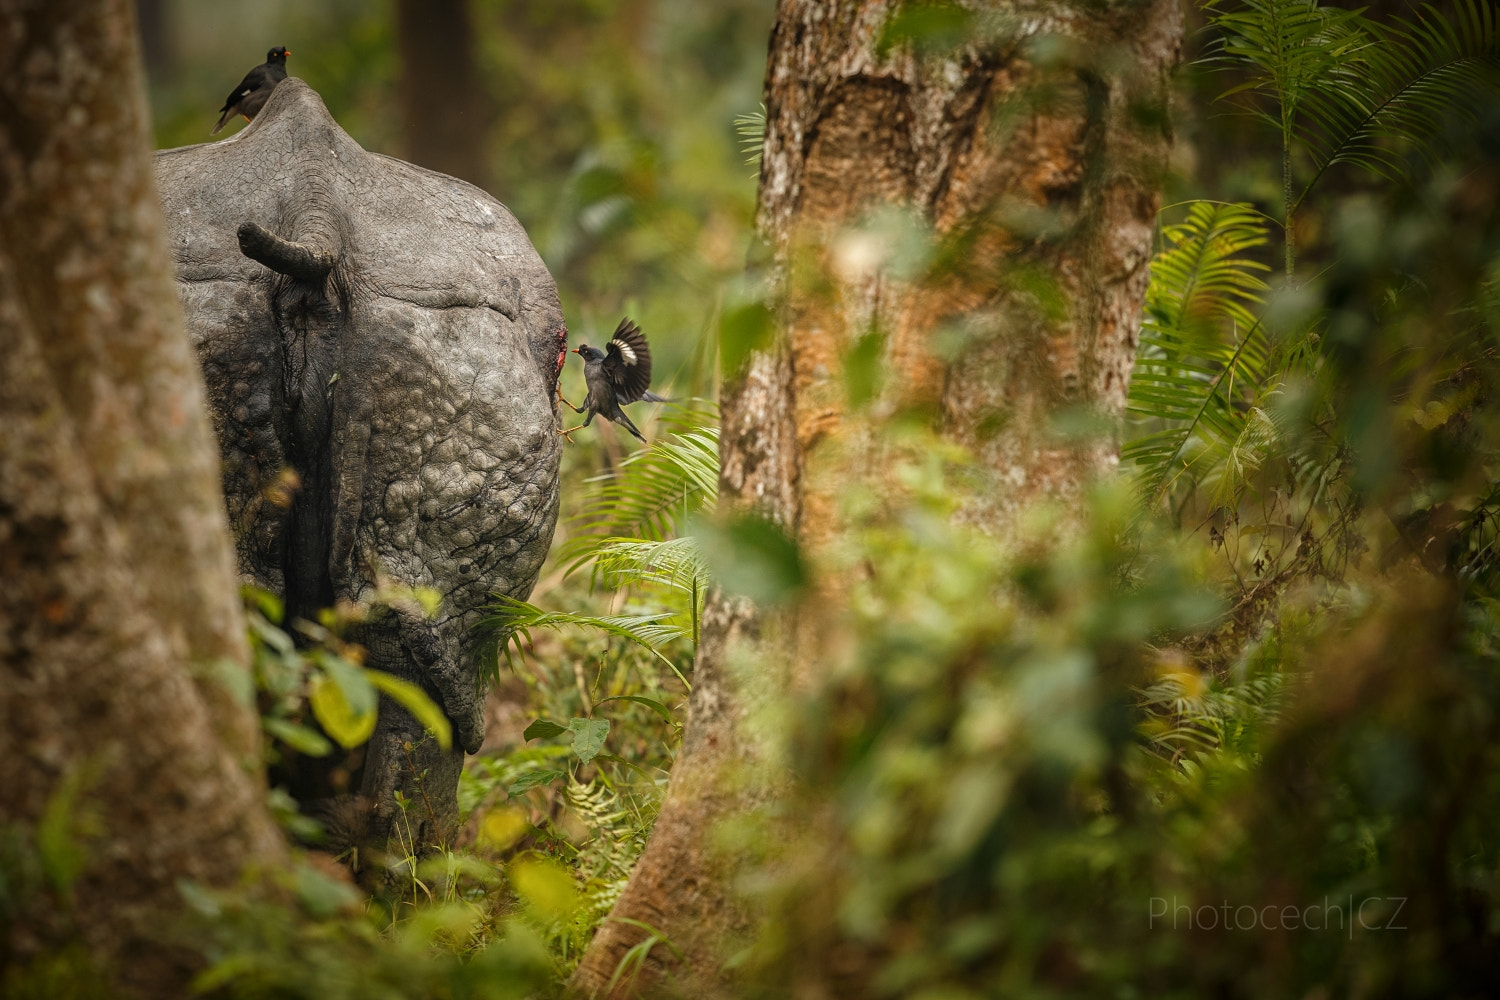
x: 568, y: 432
x: 560, y: 396
x: 586, y: 421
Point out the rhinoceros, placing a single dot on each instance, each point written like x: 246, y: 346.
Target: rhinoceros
x: 381, y: 345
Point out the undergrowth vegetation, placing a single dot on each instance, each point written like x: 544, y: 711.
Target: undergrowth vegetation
x: 1258, y: 672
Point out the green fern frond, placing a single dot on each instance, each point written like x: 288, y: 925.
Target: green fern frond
x: 675, y: 563
x: 1204, y: 361
x: 1187, y: 717
x: 1352, y: 90
x: 675, y: 566
x: 1394, y: 95
x: 1241, y: 456
x: 509, y: 620
x: 1289, y: 45
x: 652, y: 493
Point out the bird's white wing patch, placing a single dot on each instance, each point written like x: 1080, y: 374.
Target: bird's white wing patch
x: 246, y: 92
x: 626, y: 351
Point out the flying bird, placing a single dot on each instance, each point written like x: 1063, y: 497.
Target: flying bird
x: 617, y: 375
x: 250, y: 96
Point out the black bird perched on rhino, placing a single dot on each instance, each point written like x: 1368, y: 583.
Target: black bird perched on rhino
x: 250, y: 96
x: 617, y: 375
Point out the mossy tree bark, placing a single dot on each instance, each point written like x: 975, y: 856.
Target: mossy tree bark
x: 121, y: 635
x: 1028, y: 161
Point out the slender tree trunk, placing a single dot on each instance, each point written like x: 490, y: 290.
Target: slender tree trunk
x: 442, y: 104
x: 1027, y: 161
x: 125, y: 675
x: 158, y: 38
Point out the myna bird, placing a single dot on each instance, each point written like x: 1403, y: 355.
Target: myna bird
x: 250, y: 96
x: 617, y: 375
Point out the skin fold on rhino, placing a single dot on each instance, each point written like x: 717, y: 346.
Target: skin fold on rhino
x: 389, y: 334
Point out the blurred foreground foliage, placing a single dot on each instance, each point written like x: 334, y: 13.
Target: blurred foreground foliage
x: 1059, y: 770
x: 1229, y: 729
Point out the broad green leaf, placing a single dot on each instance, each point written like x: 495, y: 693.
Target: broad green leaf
x: 299, y: 738
x: 322, y: 895
x: 588, y: 737
x: 533, y: 778
x: 500, y: 828
x: 267, y: 603
x: 415, y: 701
x: 541, y: 729
x: 743, y: 330
x: 430, y: 600
x: 655, y: 706
x: 353, y: 684
x: 544, y: 884
x: 862, y: 370
x: 338, y: 718
x: 754, y: 557
x: 272, y: 636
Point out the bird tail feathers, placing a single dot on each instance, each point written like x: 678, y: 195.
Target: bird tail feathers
x: 220, y: 126
x: 623, y: 419
x: 652, y: 397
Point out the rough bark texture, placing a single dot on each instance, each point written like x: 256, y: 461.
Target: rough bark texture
x: 119, y: 577
x: 389, y: 335
x: 443, y: 107
x: 1030, y: 156
x: 1034, y: 157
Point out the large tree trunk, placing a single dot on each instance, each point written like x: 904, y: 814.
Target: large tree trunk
x: 121, y: 635
x: 1030, y: 157
x: 443, y: 107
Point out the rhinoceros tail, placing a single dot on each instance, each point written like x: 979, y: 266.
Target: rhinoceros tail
x: 309, y: 262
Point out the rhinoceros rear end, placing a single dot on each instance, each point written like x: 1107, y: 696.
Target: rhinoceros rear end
x: 389, y: 335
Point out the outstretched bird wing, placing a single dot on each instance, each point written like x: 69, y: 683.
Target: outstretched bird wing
x: 627, y: 362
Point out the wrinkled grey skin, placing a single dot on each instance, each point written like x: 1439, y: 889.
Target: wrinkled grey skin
x: 389, y: 333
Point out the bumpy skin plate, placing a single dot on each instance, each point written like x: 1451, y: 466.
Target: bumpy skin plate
x: 411, y: 386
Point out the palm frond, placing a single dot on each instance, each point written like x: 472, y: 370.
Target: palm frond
x: 1290, y: 45
x: 1355, y: 91
x: 1186, y: 716
x: 509, y: 620
x: 652, y: 493
x: 751, y: 129
x: 1398, y: 93
x: 675, y: 565
x: 1202, y: 368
